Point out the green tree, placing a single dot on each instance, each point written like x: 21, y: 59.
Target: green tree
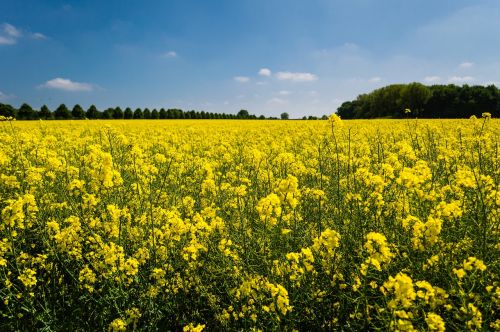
x: 284, y: 116
x: 25, y: 112
x: 108, y: 113
x: 117, y: 113
x: 147, y: 113
x: 155, y: 114
x: 128, y: 114
x: 77, y: 112
x: 92, y: 112
x: 243, y: 114
x: 45, y: 113
x: 414, y: 96
x: 7, y: 110
x: 138, y: 114
x: 62, y: 113
x: 163, y: 114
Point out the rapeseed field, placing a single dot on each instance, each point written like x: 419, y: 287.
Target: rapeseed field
x: 250, y: 225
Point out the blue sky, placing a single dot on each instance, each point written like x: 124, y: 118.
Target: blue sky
x: 267, y: 56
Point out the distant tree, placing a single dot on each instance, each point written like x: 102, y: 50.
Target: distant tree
x: 92, y: 112
x: 25, y: 112
x: 108, y: 113
x: 128, y: 114
x: 138, y: 114
x: 7, y: 110
x: 77, y: 112
x: 346, y: 110
x: 62, y: 113
x: 324, y: 117
x: 147, y: 113
x: 163, y: 114
x: 243, y: 114
x: 155, y: 114
x: 414, y: 96
x: 117, y: 113
x: 262, y: 117
x: 284, y: 116
x: 45, y: 113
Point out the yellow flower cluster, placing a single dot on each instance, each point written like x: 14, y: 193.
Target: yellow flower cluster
x: 250, y: 225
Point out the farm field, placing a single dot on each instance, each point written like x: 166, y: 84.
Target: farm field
x: 250, y: 225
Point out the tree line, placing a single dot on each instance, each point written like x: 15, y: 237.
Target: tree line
x: 435, y: 101
x: 26, y: 112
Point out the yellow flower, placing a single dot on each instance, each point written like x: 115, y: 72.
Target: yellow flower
x: 117, y: 325
x: 435, y: 322
x: 193, y: 328
x: 28, y: 278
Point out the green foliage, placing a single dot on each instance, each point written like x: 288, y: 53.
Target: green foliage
x: 155, y: 114
x: 7, y: 110
x: 138, y: 114
x: 45, y: 113
x: 128, y: 114
x: 117, y: 113
x: 62, y: 113
x: 78, y: 112
x: 25, y: 112
x: 243, y: 114
x: 92, y: 112
x: 436, y: 101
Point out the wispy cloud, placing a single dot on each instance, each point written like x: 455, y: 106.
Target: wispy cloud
x: 38, y: 36
x: 277, y: 101
x: 265, y: 72
x: 375, y: 79
x: 242, y: 79
x: 5, y: 97
x: 66, y: 85
x: 466, y: 64
x: 169, y: 54
x: 460, y: 79
x: 431, y: 79
x: 284, y: 93
x: 296, y: 77
x: 9, y: 34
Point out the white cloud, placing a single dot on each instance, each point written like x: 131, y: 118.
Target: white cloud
x: 262, y: 83
x: 296, y: 77
x: 265, y: 72
x: 169, y: 54
x: 284, y: 93
x: 9, y: 34
x: 11, y: 30
x: 375, y: 79
x: 465, y: 65
x: 4, y: 97
x: 277, y: 101
x: 242, y: 79
x: 66, y: 85
x: 460, y: 79
x: 39, y: 36
x: 430, y: 79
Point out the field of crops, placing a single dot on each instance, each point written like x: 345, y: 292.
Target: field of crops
x: 250, y: 225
